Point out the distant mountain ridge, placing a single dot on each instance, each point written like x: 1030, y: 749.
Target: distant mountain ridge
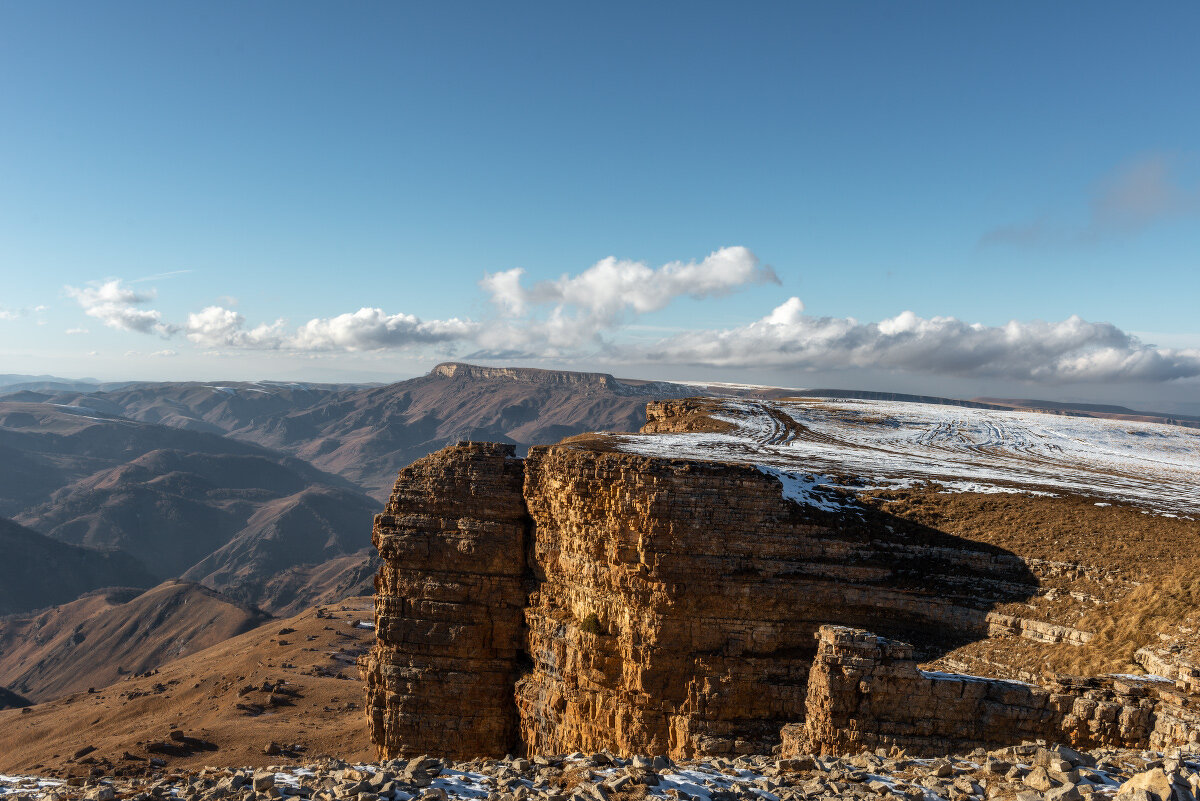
x: 252, y: 488
x: 15, y: 382
x: 535, y: 375
x: 366, y: 434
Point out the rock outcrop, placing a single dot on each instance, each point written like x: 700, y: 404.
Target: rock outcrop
x: 448, y: 605
x: 674, y: 606
x: 866, y: 692
x: 585, y: 382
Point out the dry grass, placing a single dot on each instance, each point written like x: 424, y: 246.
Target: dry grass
x: 1152, y: 565
x: 199, y: 694
x: 603, y: 443
x: 1069, y: 528
x: 1132, y: 623
x: 574, y: 776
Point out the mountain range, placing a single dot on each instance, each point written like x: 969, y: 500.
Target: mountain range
x: 248, y: 499
x: 224, y: 503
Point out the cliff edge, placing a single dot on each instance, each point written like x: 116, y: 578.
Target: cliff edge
x: 603, y: 595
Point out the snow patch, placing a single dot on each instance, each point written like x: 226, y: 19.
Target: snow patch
x: 25, y: 785
x: 937, y: 674
x: 808, y: 490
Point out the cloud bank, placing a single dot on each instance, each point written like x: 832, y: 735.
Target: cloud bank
x: 583, y: 317
x: 119, y: 307
x: 365, y: 329
x: 1072, y: 350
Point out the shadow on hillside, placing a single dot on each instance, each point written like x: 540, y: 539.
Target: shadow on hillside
x: 936, y: 590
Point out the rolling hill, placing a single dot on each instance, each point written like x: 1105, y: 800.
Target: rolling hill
x: 174, y: 509
x: 290, y: 681
x: 109, y: 634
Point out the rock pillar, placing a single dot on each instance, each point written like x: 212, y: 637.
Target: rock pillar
x: 448, y: 606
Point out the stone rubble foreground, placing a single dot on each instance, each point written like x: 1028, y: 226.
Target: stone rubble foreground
x: 1028, y: 772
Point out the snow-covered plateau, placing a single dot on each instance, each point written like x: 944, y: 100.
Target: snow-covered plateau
x: 894, y: 444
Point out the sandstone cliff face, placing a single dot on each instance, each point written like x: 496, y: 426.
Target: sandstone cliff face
x: 678, y: 601
x: 448, y: 605
x: 682, y: 417
x: 589, y: 599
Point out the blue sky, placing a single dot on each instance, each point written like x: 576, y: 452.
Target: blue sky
x: 302, y: 161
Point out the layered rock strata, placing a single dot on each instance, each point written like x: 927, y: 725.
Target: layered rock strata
x: 448, y: 605
x: 589, y: 599
x: 866, y: 692
x: 678, y: 601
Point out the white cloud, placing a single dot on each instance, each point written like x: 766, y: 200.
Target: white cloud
x: 16, y: 314
x: 165, y: 353
x: 576, y: 309
x: 1071, y: 350
x: 75, y: 331
x: 505, y: 290
x: 595, y: 314
x: 217, y: 327
x: 24, y: 311
x: 363, y: 330
x: 607, y: 295
x: 372, y: 329
x: 119, y: 307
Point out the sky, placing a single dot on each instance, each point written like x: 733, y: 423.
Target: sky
x: 949, y: 198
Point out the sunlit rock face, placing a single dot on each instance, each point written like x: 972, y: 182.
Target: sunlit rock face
x: 448, y: 605
x: 665, y: 592
x: 670, y: 605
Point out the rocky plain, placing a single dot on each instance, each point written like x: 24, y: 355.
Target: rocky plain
x: 761, y: 595
x: 1026, y: 772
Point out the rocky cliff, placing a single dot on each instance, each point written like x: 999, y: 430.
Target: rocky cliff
x: 677, y: 606
x: 677, y: 601
x: 448, y: 605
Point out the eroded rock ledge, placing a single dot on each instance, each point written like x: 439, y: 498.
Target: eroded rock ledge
x: 587, y: 600
x: 866, y: 692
